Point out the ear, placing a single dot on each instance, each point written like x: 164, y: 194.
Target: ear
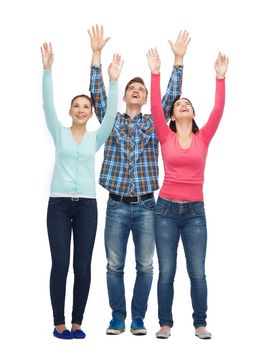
x: 124, y: 99
x: 69, y: 112
x: 173, y: 118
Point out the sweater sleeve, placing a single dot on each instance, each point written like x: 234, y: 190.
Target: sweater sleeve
x: 209, y: 129
x: 110, y: 115
x: 156, y: 108
x: 52, y: 121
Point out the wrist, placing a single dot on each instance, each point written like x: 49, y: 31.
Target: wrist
x: 220, y: 76
x: 96, y: 58
x: 178, y: 61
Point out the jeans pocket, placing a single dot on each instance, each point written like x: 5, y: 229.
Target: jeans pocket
x: 89, y: 202
x: 112, y: 204
x: 198, y: 209
x: 55, y: 200
x: 149, y: 204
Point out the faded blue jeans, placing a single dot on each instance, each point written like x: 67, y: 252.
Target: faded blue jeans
x: 188, y: 221
x: 122, y: 218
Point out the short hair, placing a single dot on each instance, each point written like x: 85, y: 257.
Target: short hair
x: 136, y: 80
x: 172, y: 123
x: 85, y: 96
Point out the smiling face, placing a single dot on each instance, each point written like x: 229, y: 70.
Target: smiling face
x: 80, y: 110
x: 183, y: 109
x: 135, y: 92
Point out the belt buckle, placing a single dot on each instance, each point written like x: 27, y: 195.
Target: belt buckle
x: 75, y: 199
x: 138, y: 200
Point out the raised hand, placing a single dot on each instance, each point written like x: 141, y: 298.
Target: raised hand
x: 47, y: 55
x: 221, y: 65
x: 181, y: 43
x: 154, y: 61
x: 97, y: 41
x: 114, y: 69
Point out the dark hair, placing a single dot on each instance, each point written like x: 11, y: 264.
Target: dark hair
x: 85, y: 96
x: 172, y: 123
x: 136, y: 80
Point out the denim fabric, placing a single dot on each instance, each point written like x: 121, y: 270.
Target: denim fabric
x: 188, y: 221
x: 63, y: 216
x: 122, y: 218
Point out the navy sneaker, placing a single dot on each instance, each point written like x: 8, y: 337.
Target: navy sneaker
x: 66, y: 334
x: 116, y: 326
x: 137, y: 326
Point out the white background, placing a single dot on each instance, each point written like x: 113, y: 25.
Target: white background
x: 233, y: 186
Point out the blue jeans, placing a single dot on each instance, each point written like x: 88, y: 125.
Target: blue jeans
x: 172, y: 221
x: 122, y: 218
x: 65, y: 215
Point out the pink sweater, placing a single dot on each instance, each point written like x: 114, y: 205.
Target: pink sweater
x: 184, y: 168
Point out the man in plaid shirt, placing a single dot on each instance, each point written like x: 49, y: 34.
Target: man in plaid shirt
x: 130, y: 174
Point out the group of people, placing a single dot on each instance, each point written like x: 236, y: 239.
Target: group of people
x: 130, y: 173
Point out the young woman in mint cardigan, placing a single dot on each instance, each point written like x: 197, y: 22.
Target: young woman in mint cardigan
x: 72, y: 206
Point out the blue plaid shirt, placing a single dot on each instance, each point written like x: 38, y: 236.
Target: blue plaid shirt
x: 130, y: 165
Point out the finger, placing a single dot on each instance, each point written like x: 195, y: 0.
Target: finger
x: 179, y: 35
x: 106, y: 40
x: 171, y: 43
x: 93, y: 31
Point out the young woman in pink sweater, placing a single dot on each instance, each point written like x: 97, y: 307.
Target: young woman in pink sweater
x: 179, y: 211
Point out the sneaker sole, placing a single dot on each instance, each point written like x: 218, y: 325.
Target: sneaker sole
x: 115, y: 331
x: 138, y: 331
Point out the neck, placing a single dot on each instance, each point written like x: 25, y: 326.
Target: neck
x: 78, y: 129
x: 184, y: 129
x: 132, y: 111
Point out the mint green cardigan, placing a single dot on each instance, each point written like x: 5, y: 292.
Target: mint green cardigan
x: 74, y: 169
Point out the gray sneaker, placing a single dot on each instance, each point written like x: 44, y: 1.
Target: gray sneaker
x: 163, y: 335
x: 206, y: 335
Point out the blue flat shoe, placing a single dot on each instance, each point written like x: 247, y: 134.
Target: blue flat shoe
x: 78, y: 334
x: 66, y: 334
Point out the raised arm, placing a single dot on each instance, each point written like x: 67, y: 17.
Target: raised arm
x: 160, y: 125
x: 114, y: 71
x: 174, y: 87
x: 209, y: 129
x: 97, y: 88
x: 52, y: 121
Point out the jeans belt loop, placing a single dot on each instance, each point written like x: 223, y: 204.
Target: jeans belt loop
x: 75, y: 199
